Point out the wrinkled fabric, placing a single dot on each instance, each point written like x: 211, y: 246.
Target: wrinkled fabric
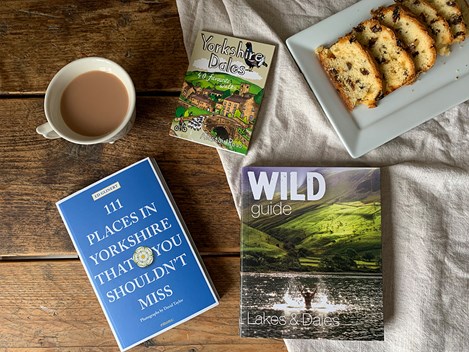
x: 424, y: 182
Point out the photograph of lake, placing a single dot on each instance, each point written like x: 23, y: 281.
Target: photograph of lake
x: 345, y: 307
x: 311, y: 264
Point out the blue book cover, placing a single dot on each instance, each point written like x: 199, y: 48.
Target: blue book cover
x: 311, y: 253
x: 137, y: 253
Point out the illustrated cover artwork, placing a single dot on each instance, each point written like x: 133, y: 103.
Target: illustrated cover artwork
x: 222, y: 91
x: 137, y: 253
x: 311, y: 253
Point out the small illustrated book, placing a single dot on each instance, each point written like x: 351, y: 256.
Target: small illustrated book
x: 311, y: 253
x: 222, y: 91
x: 137, y: 253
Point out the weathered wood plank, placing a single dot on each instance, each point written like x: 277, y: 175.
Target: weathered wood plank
x: 39, y: 37
x: 35, y: 173
x: 274, y: 346
x: 50, y: 305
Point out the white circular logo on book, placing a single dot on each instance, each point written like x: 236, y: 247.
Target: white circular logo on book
x: 143, y: 256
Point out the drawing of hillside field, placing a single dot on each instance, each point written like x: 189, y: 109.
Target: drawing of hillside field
x: 340, y: 233
x: 217, y: 109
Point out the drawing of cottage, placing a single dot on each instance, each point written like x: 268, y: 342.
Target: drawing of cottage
x: 202, y: 102
x: 231, y: 104
x: 249, y: 109
x: 241, y: 106
x: 215, y: 92
x: 187, y: 89
x: 246, y: 106
x: 218, y: 107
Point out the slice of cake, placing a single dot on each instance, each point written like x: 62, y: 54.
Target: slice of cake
x: 352, y: 71
x: 411, y: 32
x: 395, y: 64
x: 437, y: 25
x: 451, y: 12
x: 464, y: 6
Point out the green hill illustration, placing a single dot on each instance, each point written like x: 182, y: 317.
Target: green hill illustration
x: 224, y: 107
x: 219, y: 81
x: 339, y: 233
x: 211, y: 93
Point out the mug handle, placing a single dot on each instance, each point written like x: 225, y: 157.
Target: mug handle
x: 47, y: 131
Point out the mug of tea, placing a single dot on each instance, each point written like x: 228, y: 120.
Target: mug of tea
x: 89, y: 101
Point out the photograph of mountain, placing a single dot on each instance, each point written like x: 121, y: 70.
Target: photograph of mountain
x: 306, y: 259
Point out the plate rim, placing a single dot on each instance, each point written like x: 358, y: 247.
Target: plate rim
x: 353, y: 139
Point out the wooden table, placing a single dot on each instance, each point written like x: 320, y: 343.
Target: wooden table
x: 46, y: 301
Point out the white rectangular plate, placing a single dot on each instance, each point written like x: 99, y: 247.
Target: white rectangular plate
x: 445, y: 85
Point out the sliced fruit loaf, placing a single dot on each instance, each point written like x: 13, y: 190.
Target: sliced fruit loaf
x: 395, y: 64
x: 411, y: 32
x: 451, y: 12
x: 464, y: 6
x: 436, y: 24
x: 352, y: 71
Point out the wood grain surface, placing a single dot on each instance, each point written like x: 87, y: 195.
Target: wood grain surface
x: 58, y: 310
x: 39, y: 37
x: 37, y: 172
x: 46, y: 303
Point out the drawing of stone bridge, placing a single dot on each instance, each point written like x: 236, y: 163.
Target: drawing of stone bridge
x: 225, y: 127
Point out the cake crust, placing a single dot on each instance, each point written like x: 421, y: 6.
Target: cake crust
x: 411, y: 32
x: 451, y: 12
x: 437, y: 26
x: 391, y: 49
x: 394, y: 63
x: 353, y: 72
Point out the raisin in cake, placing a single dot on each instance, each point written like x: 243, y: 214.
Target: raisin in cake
x: 464, y: 6
x: 411, y: 32
x: 437, y: 25
x: 394, y: 62
x: 353, y: 72
x: 451, y: 11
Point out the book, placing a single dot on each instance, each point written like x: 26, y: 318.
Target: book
x: 137, y: 253
x: 311, y: 253
x: 222, y: 91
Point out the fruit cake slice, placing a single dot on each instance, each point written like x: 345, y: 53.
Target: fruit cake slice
x: 464, y: 6
x: 411, y: 32
x: 451, y: 12
x: 395, y: 64
x: 436, y: 24
x: 352, y: 71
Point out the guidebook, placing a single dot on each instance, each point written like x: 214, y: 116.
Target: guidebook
x: 311, y: 253
x: 137, y: 253
x: 222, y: 91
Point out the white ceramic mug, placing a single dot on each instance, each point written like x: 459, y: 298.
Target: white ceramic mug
x: 55, y: 127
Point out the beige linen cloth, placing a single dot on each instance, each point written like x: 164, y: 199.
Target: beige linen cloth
x: 425, y: 179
